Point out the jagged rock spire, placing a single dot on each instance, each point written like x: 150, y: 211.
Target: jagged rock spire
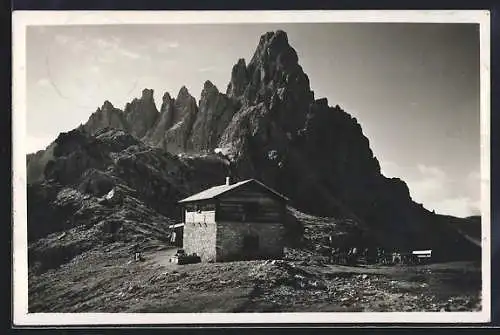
x: 166, y: 97
x: 141, y: 114
x: 147, y: 95
x: 275, y: 78
x: 239, y: 79
x: 107, y: 105
x: 215, y: 112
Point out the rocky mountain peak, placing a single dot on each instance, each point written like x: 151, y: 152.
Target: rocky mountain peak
x: 184, y: 103
x: 106, y: 116
x: 183, y: 93
x: 274, y: 48
x: 215, y: 112
x: 167, y: 98
x: 208, y: 89
x: 107, y: 105
x: 147, y: 95
x: 241, y: 64
x: 208, y: 85
x: 239, y: 79
x: 141, y: 114
x: 274, y: 78
x: 274, y: 39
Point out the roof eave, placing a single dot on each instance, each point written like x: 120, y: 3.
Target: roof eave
x: 185, y: 201
x: 273, y: 192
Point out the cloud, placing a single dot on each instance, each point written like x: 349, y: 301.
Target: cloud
x: 129, y: 54
x: 432, y: 171
x: 39, y: 29
x: 34, y: 143
x: 163, y: 46
x: 104, y: 43
x: 207, y: 69
x: 474, y: 176
x: 459, y: 206
x: 389, y: 169
x: 432, y: 183
x: 107, y: 48
x: 173, y: 45
x: 114, y: 44
x: 438, y: 191
x: 72, y: 43
x: 105, y: 58
x: 63, y: 39
x: 95, y: 69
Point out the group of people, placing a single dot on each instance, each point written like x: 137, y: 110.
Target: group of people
x: 345, y: 255
x: 353, y: 255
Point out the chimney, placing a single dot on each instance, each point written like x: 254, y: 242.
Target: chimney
x: 228, y: 181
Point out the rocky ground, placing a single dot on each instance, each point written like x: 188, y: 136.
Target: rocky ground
x: 112, y: 282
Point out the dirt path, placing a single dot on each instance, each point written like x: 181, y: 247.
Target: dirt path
x: 161, y: 258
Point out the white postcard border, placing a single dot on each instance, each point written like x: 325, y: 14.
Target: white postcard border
x: 22, y: 19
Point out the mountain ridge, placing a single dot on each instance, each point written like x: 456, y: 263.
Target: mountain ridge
x: 267, y: 125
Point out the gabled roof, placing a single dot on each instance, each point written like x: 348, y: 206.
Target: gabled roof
x: 217, y: 191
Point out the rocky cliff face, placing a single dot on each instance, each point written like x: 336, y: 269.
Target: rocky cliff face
x: 184, y: 115
x: 269, y: 125
x: 156, y: 135
x: 109, y: 188
x: 141, y: 114
x: 107, y: 116
x: 215, y: 113
x: 317, y: 154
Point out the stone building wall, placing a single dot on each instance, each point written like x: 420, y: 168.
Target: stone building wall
x: 202, y: 216
x: 200, y: 238
x: 230, y: 236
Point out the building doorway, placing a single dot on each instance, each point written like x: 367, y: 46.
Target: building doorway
x: 250, y: 246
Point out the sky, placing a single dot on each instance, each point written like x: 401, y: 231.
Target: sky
x: 414, y: 88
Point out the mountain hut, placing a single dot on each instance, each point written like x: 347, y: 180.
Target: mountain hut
x: 239, y: 221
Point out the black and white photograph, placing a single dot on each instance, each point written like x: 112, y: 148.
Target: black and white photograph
x: 214, y: 167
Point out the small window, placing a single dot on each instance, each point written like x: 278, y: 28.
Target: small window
x: 208, y: 207
x: 203, y: 207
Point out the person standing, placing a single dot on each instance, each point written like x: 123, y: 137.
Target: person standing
x: 137, y: 253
